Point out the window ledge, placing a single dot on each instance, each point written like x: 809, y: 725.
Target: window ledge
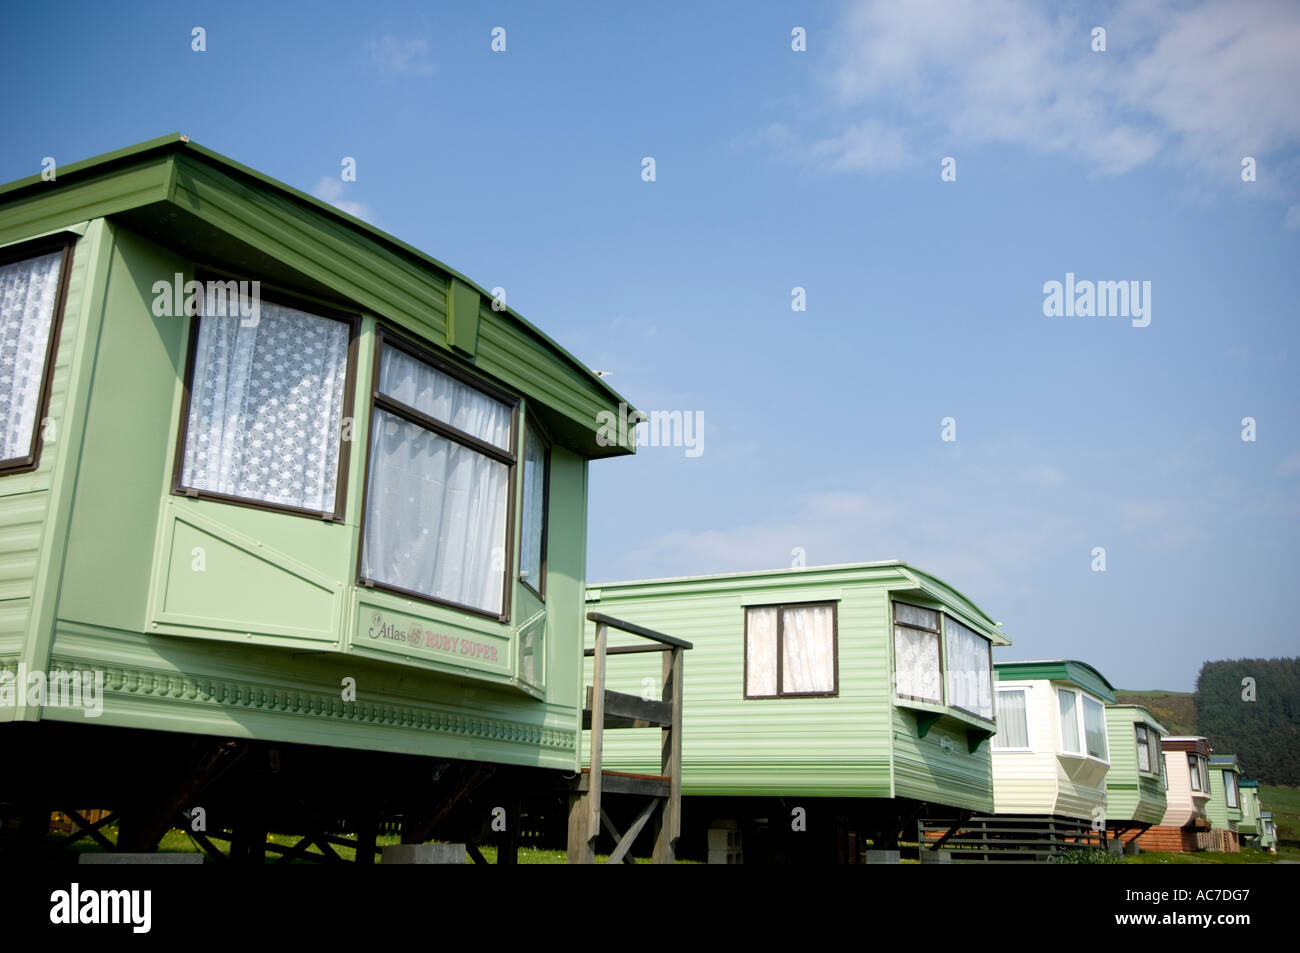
x: 928, y: 713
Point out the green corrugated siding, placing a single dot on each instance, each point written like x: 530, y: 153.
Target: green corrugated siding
x: 25, y: 497
x: 852, y: 745
x: 1130, y: 793
x: 131, y: 605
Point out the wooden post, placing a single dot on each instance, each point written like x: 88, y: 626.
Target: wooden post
x: 594, y: 776
x: 670, y: 761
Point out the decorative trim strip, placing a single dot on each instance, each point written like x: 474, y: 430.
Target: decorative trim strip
x: 275, y: 700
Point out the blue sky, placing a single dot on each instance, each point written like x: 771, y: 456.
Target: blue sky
x: 778, y: 169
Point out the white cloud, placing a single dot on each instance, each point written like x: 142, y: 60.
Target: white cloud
x: 331, y: 190
x: 1203, y: 84
x: 398, y: 56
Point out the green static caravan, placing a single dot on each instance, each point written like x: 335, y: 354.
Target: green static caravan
x: 1135, y: 783
x: 1267, y: 832
x: 824, y: 706
x: 1249, y: 826
x: 1224, y: 806
x: 1050, y: 760
x: 1185, y: 826
x: 293, y: 495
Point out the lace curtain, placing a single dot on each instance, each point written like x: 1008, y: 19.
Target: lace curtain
x: 808, y: 649
x: 1143, y: 749
x: 916, y: 664
x: 1013, y: 723
x: 27, y: 292
x: 266, y: 404
x: 760, y: 651
x: 969, y: 674
x: 436, y: 509
x: 530, y: 554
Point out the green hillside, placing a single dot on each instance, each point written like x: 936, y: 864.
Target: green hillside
x: 1175, y: 710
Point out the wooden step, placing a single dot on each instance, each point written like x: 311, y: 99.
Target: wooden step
x: 622, y: 782
x: 629, y: 711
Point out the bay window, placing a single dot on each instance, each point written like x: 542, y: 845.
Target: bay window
x: 1230, y: 788
x: 1196, y: 770
x: 1083, y: 724
x: 1143, y: 751
x: 439, y: 486
x: 32, y: 290
x: 941, y: 661
x: 791, y: 650
x: 1013, y: 722
x: 264, y: 408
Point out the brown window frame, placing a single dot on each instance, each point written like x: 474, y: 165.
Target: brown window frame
x: 532, y: 423
x: 23, y: 251
x: 943, y: 654
x: 780, y: 608
x: 1143, y: 734
x: 387, y: 338
x: 315, y: 309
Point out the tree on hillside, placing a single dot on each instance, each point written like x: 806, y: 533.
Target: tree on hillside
x: 1251, y: 708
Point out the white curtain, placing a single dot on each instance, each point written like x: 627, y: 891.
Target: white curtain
x: 760, y: 651
x: 266, y: 405
x: 435, y: 516
x: 1094, y: 727
x: 1013, y: 724
x: 530, y: 549
x: 1069, y: 721
x: 1157, y: 758
x: 444, y: 398
x: 1144, y: 749
x: 916, y: 664
x: 968, y: 673
x: 808, y: 649
x: 27, y: 292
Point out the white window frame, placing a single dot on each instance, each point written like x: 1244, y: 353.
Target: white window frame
x: 1079, y: 695
x: 1024, y: 691
x: 1228, y: 773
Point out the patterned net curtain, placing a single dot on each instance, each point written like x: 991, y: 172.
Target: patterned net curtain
x: 266, y: 406
x: 969, y: 675
x: 27, y: 293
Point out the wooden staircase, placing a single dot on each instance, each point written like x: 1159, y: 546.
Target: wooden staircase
x: 605, y: 709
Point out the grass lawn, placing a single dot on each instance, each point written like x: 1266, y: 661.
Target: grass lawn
x: 1248, y: 855
x: 178, y: 842
x: 1285, y: 804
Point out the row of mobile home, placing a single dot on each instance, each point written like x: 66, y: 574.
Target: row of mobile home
x: 292, y: 519
x: 1256, y: 824
x: 827, y: 707
x: 292, y: 539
